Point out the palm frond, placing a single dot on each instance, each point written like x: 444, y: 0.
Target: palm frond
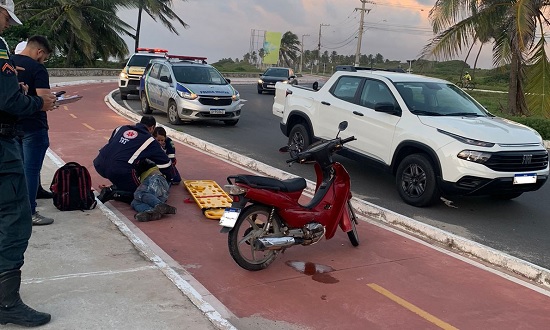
x: 538, y: 86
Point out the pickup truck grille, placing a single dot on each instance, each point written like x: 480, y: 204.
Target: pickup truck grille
x: 215, y: 100
x: 518, y: 161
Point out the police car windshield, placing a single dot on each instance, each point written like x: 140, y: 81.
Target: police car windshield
x: 141, y: 60
x: 276, y: 72
x: 198, y: 75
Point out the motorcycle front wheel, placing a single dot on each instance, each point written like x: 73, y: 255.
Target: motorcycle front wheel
x: 249, y: 227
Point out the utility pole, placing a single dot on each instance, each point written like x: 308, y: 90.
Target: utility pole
x: 319, y: 46
x: 361, y: 23
x: 302, y: 56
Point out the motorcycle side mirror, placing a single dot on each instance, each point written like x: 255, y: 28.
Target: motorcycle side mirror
x: 284, y: 149
x: 343, y: 125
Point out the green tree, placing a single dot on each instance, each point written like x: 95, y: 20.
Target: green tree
x: 156, y: 9
x: 511, y: 26
x: 290, y: 48
x: 79, y: 29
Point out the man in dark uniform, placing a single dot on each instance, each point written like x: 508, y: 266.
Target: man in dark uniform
x: 35, y: 140
x: 127, y: 145
x: 15, y: 212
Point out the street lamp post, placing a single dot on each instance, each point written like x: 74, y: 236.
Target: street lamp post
x: 302, y: 56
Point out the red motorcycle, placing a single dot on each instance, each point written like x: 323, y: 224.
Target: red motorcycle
x: 266, y: 218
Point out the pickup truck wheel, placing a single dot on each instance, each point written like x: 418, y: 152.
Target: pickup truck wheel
x: 299, y: 138
x: 145, y: 108
x: 416, y: 181
x: 172, y: 113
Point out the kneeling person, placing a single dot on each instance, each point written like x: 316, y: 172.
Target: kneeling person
x: 151, y: 195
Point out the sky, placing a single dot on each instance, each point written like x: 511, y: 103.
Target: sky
x: 397, y: 29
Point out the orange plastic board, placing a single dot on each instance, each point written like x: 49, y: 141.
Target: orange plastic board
x: 209, y: 196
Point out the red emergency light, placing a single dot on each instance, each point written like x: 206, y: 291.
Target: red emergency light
x: 152, y: 50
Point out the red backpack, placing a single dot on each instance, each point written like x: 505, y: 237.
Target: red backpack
x: 72, y: 188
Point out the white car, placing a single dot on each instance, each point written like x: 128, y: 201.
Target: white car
x: 434, y: 137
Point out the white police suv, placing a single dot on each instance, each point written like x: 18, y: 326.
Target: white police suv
x: 129, y: 77
x: 188, y: 90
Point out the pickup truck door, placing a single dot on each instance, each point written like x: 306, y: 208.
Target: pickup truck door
x: 374, y: 130
x: 335, y: 106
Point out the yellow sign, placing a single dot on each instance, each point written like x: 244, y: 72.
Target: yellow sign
x: 272, y: 44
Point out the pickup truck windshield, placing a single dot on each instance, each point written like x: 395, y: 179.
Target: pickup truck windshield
x: 439, y: 99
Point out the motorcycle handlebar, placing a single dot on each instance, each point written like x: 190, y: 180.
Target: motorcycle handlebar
x: 339, y: 142
x: 346, y: 140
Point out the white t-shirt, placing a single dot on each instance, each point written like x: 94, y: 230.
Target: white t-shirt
x: 20, y: 46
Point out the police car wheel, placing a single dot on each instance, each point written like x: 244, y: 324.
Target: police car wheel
x: 123, y: 96
x: 172, y: 113
x: 145, y: 108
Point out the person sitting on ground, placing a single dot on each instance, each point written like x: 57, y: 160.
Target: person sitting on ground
x: 128, y: 144
x: 168, y: 145
x: 151, y: 195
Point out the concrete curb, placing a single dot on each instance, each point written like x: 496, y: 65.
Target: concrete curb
x: 365, y: 209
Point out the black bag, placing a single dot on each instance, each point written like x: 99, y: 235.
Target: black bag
x: 72, y: 188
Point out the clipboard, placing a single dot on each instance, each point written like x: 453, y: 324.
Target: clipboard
x: 67, y: 99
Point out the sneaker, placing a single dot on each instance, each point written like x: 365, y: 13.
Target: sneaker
x: 148, y: 215
x: 105, y: 194
x: 43, y: 194
x: 40, y: 220
x: 163, y: 208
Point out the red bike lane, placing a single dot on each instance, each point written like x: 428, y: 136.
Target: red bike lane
x: 390, y: 281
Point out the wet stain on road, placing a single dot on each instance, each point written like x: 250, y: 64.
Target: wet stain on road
x: 318, y: 273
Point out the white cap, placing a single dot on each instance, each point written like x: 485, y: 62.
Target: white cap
x: 10, y: 7
x: 20, y: 46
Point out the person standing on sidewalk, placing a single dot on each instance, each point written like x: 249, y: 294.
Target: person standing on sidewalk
x: 35, y: 140
x: 15, y: 211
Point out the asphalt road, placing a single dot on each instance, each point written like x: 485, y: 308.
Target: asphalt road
x: 518, y: 227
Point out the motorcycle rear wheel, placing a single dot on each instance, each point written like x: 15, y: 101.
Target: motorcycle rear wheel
x: 249, y: 227
x: 352, y: 234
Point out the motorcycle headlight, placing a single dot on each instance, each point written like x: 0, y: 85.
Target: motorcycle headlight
x: 474, y: 156
x: 466, y: 140
x: 260, y: 81
x: 189, y: 96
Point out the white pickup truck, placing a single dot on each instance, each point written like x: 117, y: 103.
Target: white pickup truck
x: 435, y: 138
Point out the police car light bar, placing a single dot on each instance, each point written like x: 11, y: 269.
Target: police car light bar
x: 189, y: 58
x: 152, y: 50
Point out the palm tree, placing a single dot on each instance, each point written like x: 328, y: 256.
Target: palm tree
x: 511, y: 26
x: 80, y: 29
x: 156, y: 9
x: 290, y: 47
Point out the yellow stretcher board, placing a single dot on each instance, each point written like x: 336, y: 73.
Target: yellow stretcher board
x: 209, y: 196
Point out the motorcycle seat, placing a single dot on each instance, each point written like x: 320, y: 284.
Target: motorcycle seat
x: 262, y: 182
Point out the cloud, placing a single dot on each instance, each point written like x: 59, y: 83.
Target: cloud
x: 223, y: 28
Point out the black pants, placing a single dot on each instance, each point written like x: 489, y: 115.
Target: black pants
x: 15, y: 209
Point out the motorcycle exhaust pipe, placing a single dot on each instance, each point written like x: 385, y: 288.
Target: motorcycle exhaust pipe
x: 275, y: 243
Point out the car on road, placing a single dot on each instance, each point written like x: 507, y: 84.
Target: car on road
x: 129, y: 77
x: 188, y: 90
x: 272, y: 75
x: 434, y: 137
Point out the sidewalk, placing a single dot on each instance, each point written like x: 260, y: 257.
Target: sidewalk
x: 85, y: 272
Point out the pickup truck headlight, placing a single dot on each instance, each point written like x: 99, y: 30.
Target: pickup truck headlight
x: 468, y: 140
x: 260, y: 81
x: 189, y: 96
x: 236, y: 97
x: 474, y: 156
x: 123, y: 75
